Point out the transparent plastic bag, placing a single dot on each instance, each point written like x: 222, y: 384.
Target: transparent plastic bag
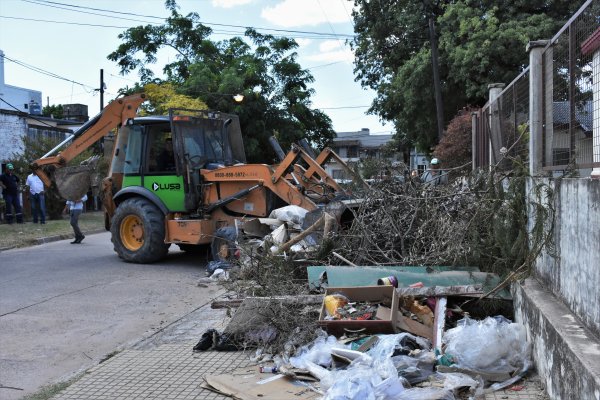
x: 362, y: 382
x: 493, y: 345
x: 417, y: 368
x: 319, y: 352
x: 428, y: 393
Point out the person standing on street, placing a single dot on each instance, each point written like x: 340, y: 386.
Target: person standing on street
x: 75, y: 208
x: 38, y: 201
x: 10, y: 185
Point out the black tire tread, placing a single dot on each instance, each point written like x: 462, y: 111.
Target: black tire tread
x: 154, y: 247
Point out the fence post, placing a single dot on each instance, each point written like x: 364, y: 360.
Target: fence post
x: 474, y: 139
x: 536, y: 101
x: 495, y: 125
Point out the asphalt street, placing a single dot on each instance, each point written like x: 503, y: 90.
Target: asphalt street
x: 64, y: 308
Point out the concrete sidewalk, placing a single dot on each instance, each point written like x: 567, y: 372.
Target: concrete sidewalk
x: 165, y: 367
x: 174, y: 372
x: 169, y: 372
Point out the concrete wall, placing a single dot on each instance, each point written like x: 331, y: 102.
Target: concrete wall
x: 12, y: 129
x: 566, y: 354
x: 574, y: 275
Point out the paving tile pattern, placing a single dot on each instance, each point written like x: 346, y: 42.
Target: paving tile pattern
x: 529, y: 389
x: 174, y: 372
x: 169, y: 372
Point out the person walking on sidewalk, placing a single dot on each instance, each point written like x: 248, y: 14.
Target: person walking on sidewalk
x: 75, y: 208
x: 38, y: 201
x: 10, y: 185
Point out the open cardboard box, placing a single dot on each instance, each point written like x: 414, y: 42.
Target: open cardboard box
x: 385, y: 295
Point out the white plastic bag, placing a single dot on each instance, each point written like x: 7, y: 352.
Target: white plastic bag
x: 319, y: 352
x: 494, y: 345
x: 292, y: 214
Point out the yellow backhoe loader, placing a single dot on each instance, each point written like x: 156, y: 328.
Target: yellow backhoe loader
x: 183, y: 178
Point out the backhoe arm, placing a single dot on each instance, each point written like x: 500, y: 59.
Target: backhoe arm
x: 112, y: 116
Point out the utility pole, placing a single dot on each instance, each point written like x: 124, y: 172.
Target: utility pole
x: 436, y: 78
x: 101, y: 89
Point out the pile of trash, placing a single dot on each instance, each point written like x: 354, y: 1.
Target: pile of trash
x: 428, y: 349
x: 378, y: 330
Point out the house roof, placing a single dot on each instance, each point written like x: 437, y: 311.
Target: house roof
x: 362, y: 138
x: 583, y: 114
x: 592, y: 43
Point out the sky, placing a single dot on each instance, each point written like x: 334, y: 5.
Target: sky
x: 68, y: 40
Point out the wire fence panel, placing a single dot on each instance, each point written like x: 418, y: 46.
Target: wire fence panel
x: 570, y: 69
x: 502, y: 131
x: 568, y: 94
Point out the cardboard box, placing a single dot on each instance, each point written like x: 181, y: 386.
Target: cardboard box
x: 385, y: 295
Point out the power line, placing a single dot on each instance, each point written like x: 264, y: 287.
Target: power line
x: 44, y: 72
x: 325, y: 65
x: 217, y: 32
x: 41, y: 3
x: 56, y: 4
x: 28, y: 115
x: 64, y: 22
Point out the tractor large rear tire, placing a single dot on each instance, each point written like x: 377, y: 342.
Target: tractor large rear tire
x: 138, y: 231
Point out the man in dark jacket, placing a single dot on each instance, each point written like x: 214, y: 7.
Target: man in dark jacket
x: 10, y: 185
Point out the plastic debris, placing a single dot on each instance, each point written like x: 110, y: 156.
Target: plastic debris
x: 493, y: 345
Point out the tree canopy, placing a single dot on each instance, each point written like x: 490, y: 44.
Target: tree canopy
x: 262, y: 68
x: 480, y: 42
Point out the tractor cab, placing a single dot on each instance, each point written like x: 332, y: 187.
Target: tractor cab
x: 165, y: 154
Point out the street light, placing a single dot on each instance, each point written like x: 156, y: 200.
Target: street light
x: 238, y: 98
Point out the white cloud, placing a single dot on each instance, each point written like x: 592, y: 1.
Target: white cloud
x: 331, y: 45
x: 229, y: 3
x: 303, y: 42
x: 344, y: 55
x: 295, y: 13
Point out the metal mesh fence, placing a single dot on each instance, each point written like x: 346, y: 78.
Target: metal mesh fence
x: 570, y: 71
x: 502, y: 127
x: 568, y: 77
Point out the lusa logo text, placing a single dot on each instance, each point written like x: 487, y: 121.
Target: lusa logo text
x: 165, y: 186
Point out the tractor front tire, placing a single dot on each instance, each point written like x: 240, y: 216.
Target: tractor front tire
x: 138, y: 231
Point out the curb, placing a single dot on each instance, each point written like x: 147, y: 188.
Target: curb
x: 50, y: 239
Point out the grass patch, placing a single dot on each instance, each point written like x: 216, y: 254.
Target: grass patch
x: 49, y: 391
x: 27, y: 234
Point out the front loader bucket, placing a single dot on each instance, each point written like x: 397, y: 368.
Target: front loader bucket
x: 73, y: 182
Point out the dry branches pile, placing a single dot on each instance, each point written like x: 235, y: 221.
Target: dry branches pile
x: 479, y: 221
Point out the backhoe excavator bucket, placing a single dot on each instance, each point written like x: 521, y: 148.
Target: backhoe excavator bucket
x: 73, y: 182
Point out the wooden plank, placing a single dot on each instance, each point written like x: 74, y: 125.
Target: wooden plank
x: 439, y: 320
x: 439, y: 291
x: 404, y: 323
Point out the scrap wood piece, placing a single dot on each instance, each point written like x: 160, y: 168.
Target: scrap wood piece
x: 249, y: 384
x: 344, y: 259
x: 298, y: 299
x: 405, y: 324
x: 226, y: 303
x: 287, y: 245
x: 440, y: 291
x: 439, y: 321
x: 423, y: 312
